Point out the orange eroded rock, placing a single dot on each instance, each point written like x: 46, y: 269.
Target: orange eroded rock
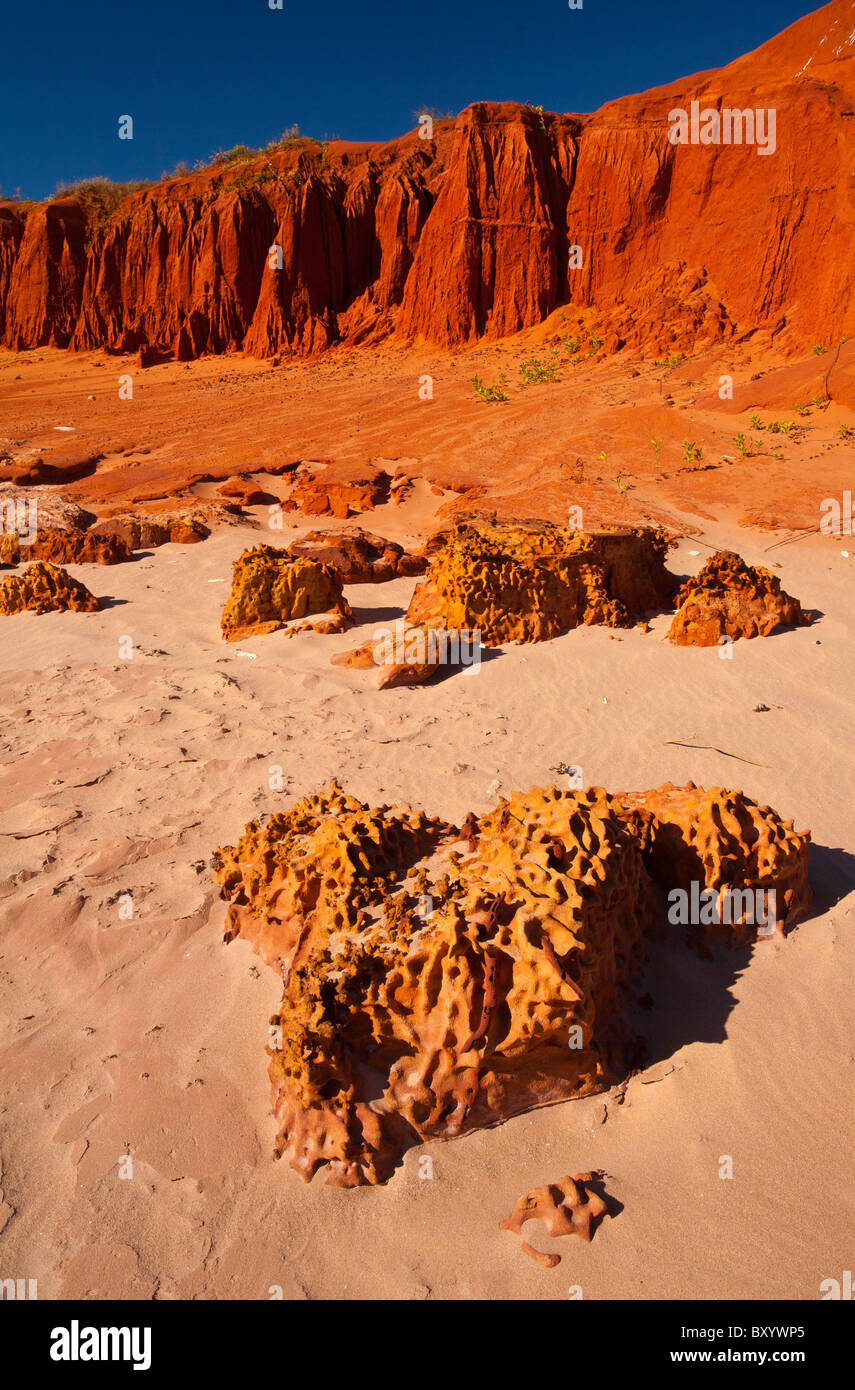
x: 520, y: 582
x: 144, y: 533
x: 730, y: 599
x: 359, y: 556
x: 270, y: 589
x: 244, y: 491
x: 722, y: 840
x: 569, y: 1207
x: 65, y: 548
x: 22, y: 510
x: 141, y: 533
x: 45, y: 588
x: 340, y: 490
x: 439, y: 979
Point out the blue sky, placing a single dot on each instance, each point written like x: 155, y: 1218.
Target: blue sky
x: 204, y: 76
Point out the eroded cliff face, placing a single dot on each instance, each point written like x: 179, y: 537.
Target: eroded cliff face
x: 42, y: 270
x: 469, y: 234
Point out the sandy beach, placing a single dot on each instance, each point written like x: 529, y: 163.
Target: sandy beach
x: 145, y: 1036
x: 562, y: 359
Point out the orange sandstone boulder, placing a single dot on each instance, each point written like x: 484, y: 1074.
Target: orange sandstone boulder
x: 244, y: 491
x: 65, y: 548
x: 521, y: 582
x: 730, y: 599
x: 22, y: 509
x: 145, y: 533
x: 723, y: 841
x: 340, y: 489
x: 569, y: 1207
x: 440, y: 979
x: 45, y: 588
x: 429, y: 992
x: 270, y: 589
x: 187, y: 530
x: 359, y: 556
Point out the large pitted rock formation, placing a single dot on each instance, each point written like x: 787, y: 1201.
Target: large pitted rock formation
x: 471, y: 233
x: 64, y: 548
x: 45, y: 588
x: 730, y: 599
x: 359, y: 556
x: 439, y: 979
x: 518, y: 582
x: 528, y: 582
x: 270, y: 589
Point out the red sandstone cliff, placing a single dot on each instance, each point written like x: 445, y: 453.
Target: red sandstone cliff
x: 467, y: 235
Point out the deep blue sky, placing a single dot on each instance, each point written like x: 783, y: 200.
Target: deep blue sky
x: 203, y: 76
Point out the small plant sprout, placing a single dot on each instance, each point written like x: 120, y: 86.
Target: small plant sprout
x: 757, y: 423
x: 741, y: 442
x: 489, y: 393
x: 692, y: 452
x: 846, y: 431
x: 819, y: 350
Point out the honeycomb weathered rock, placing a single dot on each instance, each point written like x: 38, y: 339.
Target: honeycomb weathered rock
x: 528, y: 583
x: 441, y: 979
x: 270, y: 589
x: 568, y: 1207
x: 722, y: 840
x: 519, y: 582
x: 730, y: 599
x: 45, y: 588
